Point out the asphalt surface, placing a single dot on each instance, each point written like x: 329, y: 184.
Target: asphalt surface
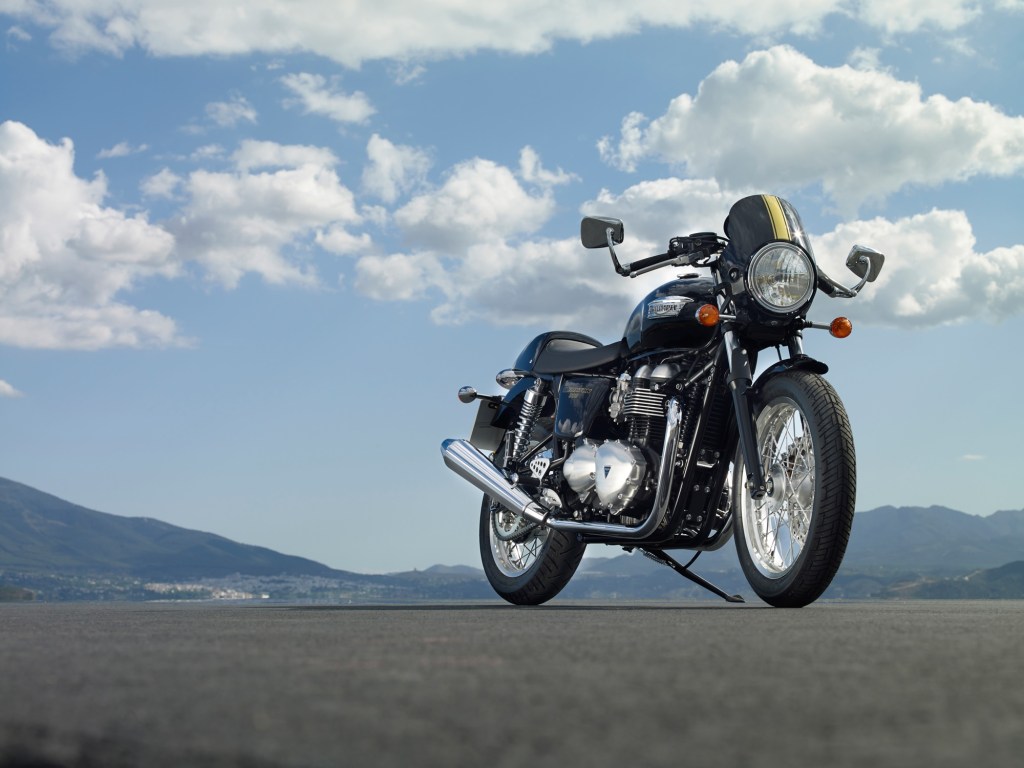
x: 701, y: 684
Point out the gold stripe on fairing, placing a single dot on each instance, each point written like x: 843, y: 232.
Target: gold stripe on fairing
x: 778, y: 218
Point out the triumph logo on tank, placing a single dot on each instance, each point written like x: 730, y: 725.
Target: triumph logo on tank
x: 667, y: 307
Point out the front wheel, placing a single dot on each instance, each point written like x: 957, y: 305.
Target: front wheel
x: 791, y: 542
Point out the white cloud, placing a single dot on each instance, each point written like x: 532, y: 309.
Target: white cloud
x: 894, y: 16
x: 474, y: 255
x: 860, y: 134
x: 66, y: 259
x: 263, y: 223
x: 865, y: 58
x: 268, y: 154
x: 476, y: 260
x: 17, y: 34
x: 337, y: 239
x: 6, y: 390
x: 655, y: 211
x: 480, y: 201
x: 318, y: 97
x: 933, y: 274
x: 363, y: 30
x: 121, y: 149
x: 533, y: 172
x: 393, y: 169
x: 228, y: 114
x: 163, y: 184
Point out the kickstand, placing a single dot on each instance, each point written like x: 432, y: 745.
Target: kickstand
x: 659, y: 556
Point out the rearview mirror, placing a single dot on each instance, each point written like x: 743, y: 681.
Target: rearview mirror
x: 594, y: 231
x: 865, y: 262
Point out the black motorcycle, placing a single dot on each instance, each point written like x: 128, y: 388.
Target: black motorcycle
x: 664, y: 440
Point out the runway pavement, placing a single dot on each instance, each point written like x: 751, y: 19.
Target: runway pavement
x: 569, y: 684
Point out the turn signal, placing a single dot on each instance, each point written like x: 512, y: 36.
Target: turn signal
x: 841, y: 327
x: 707, y: 315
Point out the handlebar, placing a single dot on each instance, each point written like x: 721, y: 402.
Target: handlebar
x: 683, y: 251
x: 645, y: 265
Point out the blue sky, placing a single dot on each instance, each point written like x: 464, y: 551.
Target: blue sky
x: 249, y: 252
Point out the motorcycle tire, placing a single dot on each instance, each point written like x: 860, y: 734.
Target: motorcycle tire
x: 791, y: 542
x: 528, y: 569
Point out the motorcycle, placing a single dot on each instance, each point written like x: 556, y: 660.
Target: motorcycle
x: 664, y: 440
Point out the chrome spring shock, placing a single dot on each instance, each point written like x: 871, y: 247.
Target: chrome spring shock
x: 533, y: 402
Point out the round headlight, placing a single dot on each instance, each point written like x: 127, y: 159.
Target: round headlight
x: 781, y: 277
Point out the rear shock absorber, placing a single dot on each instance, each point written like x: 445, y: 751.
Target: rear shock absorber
x: 533, y: 402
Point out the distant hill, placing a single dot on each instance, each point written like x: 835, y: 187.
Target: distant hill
x: 934, y: 539
x: 56, y: 550
x: 40, y: 533
x: 1004, y: 582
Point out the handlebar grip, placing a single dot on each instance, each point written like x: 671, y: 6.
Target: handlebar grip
x: 651, y: 261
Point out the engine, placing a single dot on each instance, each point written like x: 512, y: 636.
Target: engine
x: 619, y: 472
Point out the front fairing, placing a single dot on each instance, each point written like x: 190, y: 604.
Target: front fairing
x: 753, y: 223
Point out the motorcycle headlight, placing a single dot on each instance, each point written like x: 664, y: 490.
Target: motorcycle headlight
x: 781, y: 277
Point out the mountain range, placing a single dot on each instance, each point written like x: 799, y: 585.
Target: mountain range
x: 53, y: 549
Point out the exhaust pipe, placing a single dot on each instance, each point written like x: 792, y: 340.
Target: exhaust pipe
x: 470, y: 464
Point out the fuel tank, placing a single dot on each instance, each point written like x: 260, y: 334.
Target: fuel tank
x: 667, y: 316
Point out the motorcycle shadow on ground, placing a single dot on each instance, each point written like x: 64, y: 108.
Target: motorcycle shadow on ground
x: 549, y: 607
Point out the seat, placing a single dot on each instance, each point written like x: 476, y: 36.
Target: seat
x: 558, y: 358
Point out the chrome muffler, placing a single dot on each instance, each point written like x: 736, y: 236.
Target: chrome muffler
x: 470, y: 464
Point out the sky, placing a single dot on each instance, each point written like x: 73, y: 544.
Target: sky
x: 249, y: 252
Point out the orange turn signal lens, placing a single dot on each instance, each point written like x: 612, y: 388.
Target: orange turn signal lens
x: 841, y: 327
x: 707, y: 315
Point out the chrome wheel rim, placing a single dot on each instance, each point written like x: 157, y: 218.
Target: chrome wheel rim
x: 515, y: 556
x: 776, y: 527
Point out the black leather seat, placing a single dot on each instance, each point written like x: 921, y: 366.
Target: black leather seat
x: 557, y: 357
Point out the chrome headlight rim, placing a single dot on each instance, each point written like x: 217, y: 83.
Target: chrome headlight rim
x: 756, y: 289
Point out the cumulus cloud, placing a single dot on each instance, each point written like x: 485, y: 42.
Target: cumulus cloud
x: 268, y: 154
x: 163, y: 184
x: 533, y: 172
x: 933, y: 272
x: 860, y: 134
x: 479, y: 201
x: 6, y: 390
x: 490, y: 266
x: 365, y: 30
x: 478, y: 258
x: 393, y: 169
x: 121, y: 149
x: 317, y: 96
x: 241, y: 222
x: 66, y: 259
x: 228, y: 114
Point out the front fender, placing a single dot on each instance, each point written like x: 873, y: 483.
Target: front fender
x: 798, y: 363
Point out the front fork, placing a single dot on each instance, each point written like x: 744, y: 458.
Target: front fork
x: 739, y: 379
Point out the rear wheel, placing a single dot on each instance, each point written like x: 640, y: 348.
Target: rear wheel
x: 525, y: 563
x: 791, y: 542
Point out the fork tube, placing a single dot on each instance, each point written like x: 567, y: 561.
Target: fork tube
x: 739, y: 379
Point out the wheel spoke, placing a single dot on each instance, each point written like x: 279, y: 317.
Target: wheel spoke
x: 778, y: 524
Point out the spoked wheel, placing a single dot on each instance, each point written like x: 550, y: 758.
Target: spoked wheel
x: 791, y: 542
x: 525, y: 563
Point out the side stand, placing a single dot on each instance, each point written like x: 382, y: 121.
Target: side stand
x: 659, y: 556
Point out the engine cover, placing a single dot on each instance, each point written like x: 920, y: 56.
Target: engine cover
x: 580, y: 469
x: 620, y: 470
